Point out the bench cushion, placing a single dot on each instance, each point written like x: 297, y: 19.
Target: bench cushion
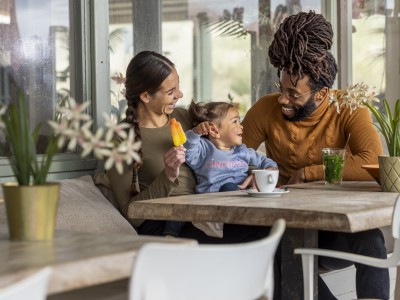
x: 82, y: 207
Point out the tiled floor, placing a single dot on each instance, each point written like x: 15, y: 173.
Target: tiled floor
x: 342, y: 283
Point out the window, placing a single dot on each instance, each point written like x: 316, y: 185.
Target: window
x: 50, y: 49
x: 121, y: 52
x: 34, y: 56
x: 39, y: 53
x: 220, y: 47
x: 375, y: 46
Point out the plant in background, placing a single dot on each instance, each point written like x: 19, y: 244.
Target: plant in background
x: 229, y: 24
x: 361, y: 95
x: 73, y: 128
x: 118, y: 109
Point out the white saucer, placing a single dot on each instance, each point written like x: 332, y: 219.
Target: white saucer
x: 276, y: 193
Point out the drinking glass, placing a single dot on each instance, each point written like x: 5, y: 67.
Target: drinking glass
x: 333, y: 162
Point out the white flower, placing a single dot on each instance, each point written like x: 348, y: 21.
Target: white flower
x: 3, y: 110
x: 115, y: 158
x: 75, y: 128
x: 91, y: 141
x: 63, y: 130
x: 115, y: 129
x: 76, y: 112
x: 130, y: 148
x: 354, y: 96
x: 74, y: 137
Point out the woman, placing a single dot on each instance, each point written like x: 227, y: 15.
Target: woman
x: 152, y: 92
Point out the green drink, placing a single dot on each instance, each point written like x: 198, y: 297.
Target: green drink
x: 333, y: 162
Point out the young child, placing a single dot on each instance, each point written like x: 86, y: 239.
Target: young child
x: 215, y: 151
x: 217, y: 156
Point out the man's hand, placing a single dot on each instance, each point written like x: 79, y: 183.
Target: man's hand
x: 298, y: 177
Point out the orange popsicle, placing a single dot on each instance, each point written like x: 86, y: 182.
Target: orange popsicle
x: 178, y: 135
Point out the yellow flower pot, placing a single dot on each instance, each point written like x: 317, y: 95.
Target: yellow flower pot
x: 31, y: 210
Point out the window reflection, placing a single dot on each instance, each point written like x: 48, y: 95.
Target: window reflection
x: 34, y: 56
x: 220, y: 47
x: 121, y: 52
x: 376, y: 28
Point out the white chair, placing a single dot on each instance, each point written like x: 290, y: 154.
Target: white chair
x: 33, y: 287
x: 393, y: 260
x: 198, y: 272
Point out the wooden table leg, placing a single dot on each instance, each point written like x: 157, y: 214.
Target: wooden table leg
x: 397, y: 286
x: 291, y: 268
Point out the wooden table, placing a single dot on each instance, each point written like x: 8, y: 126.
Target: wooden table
x: 307, y: 208
x: 78, y: 259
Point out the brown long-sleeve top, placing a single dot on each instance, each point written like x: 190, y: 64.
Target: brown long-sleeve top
x: 296, y: 145
x: 153, y: 181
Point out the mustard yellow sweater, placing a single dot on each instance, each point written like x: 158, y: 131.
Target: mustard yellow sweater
x: 295, y: 145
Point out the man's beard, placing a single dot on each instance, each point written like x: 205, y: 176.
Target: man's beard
x: 303, y: 112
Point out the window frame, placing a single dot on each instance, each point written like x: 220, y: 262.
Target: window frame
x: 89, y: 26
x: 88, y: 49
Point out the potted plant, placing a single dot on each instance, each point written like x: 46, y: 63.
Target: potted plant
x: 388, y: 123
x: 32, y: 194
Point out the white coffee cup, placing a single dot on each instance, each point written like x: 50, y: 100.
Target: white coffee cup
x: 266, y: 180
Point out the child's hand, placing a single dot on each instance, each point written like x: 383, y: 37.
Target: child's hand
x: 205, y: 128
x: 249, y: 181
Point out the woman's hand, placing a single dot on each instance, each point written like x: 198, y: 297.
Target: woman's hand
x: 173, y: 159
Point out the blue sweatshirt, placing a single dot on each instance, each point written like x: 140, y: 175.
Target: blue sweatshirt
x: 214, y: 167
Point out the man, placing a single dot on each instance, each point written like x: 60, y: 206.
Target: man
x: 297, y: 122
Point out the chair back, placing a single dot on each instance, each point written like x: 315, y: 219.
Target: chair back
x: 396, y: 219
x: 33, y: 287
x: 395, y: 256
x: 189, y: 271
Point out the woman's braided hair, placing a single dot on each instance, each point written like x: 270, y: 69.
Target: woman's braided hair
x: 145, y: 73
x: 301, y: 46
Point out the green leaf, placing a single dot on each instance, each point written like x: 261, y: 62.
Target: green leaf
x: 22, y: 142
x: 389, y: 125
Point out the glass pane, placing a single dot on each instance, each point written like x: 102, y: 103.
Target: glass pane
x: 376, y: 29
x: 34, y: 56
x: 220, y: 47
x: 121, y: 52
